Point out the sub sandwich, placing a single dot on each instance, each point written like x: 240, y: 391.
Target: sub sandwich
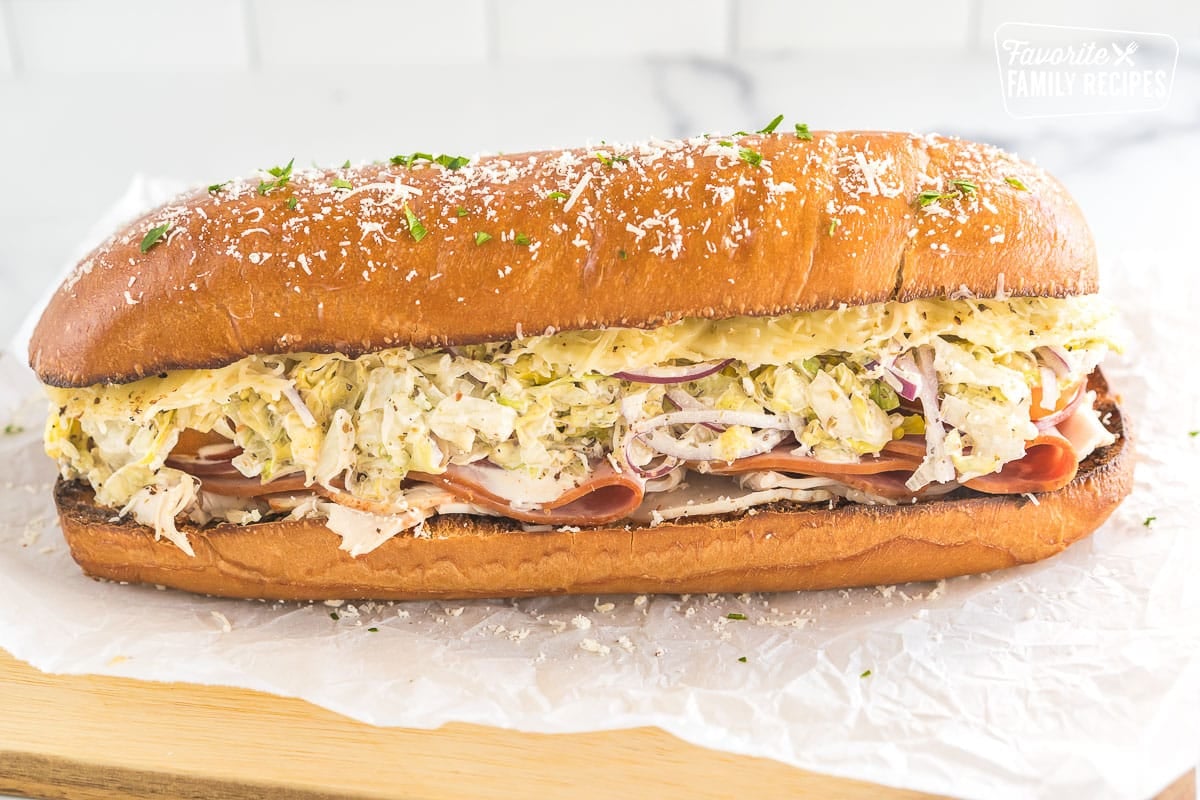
x: 767, y: 361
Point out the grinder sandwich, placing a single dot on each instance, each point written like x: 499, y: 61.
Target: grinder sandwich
x: 760, y: 362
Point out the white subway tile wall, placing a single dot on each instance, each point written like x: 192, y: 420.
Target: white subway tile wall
x: 1180, y: 18
x: 548, y: 30
x: 789, y: 26
x: 319, y: 33
x: 41, y: 37
x: 73, y: 36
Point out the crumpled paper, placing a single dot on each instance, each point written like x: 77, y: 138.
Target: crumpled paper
x: 1079, y: 676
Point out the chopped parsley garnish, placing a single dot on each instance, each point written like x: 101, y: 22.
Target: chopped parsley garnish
x: 346, y: 164
x: 1149, y: 521
x: 609, y: 161
x: 452, y: 162
x: 460, y: 212
x: 742, y: 659
x: 621, y: 254
x: 1016, y: 183
x: 556, y: 195
x: 408, y: 161
x: 292, y: 202
x: 11, y: 429
x: 522, y: 240
x: 751, y: 157
x: 449, y: 162
x: 218, y: 187
x: 884, y: 396
x: 333, y: 615
x: 735, y: 615
x: 372, y: 630
x: 153, y: 236
x: 966, y: 187
x: 833, y: 225
x: 341, y: 183
x: 962, y: 188
x: 1193, y: 434
x: 866, y: 673
x: 725, y: 143
x: 481, y: 238
x: 928, y: 196
x: 415, y: 228
x: 772, y: 125
x: 802, y: 131
x: 281, y: 175
x: 284, y: 171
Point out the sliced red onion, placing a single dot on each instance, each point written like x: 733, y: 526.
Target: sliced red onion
x: 653, y: 471
x: 762, y: 441
x: 650, y: 470
x: 1050, y: 420
x: 907, y: 375
x: 306, y: 416
x: 1056, y: 358
x: 685, y: 402
x: 935, y: 434
x: 1050, y: 390
x: 750, y: 419
x: 666, y: 482
x: 219, y: 451
x: 681, y: 374
x: 903, y: 382
x: 202, y: 466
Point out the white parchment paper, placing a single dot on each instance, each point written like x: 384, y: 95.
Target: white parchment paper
x: 1076, y: 677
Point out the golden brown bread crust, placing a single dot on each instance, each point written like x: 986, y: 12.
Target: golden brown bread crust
x: 678, y: 229
x: 781, y: 547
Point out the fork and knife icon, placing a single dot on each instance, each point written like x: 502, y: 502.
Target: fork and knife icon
x: 1125, y: 55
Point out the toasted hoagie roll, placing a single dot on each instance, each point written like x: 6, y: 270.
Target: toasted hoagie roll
x: 757, y: 362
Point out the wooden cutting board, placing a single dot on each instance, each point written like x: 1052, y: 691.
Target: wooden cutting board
x: 92, y: 737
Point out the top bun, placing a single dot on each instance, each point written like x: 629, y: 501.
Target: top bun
x: 387, y: 255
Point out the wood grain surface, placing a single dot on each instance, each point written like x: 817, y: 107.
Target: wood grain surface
x: 95, y: 738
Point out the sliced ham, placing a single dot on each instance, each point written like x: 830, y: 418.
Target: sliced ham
x: 910, y: 446
x: 782, y: 459
x: 892, y: 485
x: 1049, y: 464
x: 234, y: 484
x: 209, y: 457
x: 605, y: 496
x: 882, y: 475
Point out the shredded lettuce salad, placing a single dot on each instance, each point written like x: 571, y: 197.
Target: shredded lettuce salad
x: 552, y: 406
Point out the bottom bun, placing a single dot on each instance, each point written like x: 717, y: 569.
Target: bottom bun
x: 774, y: 548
